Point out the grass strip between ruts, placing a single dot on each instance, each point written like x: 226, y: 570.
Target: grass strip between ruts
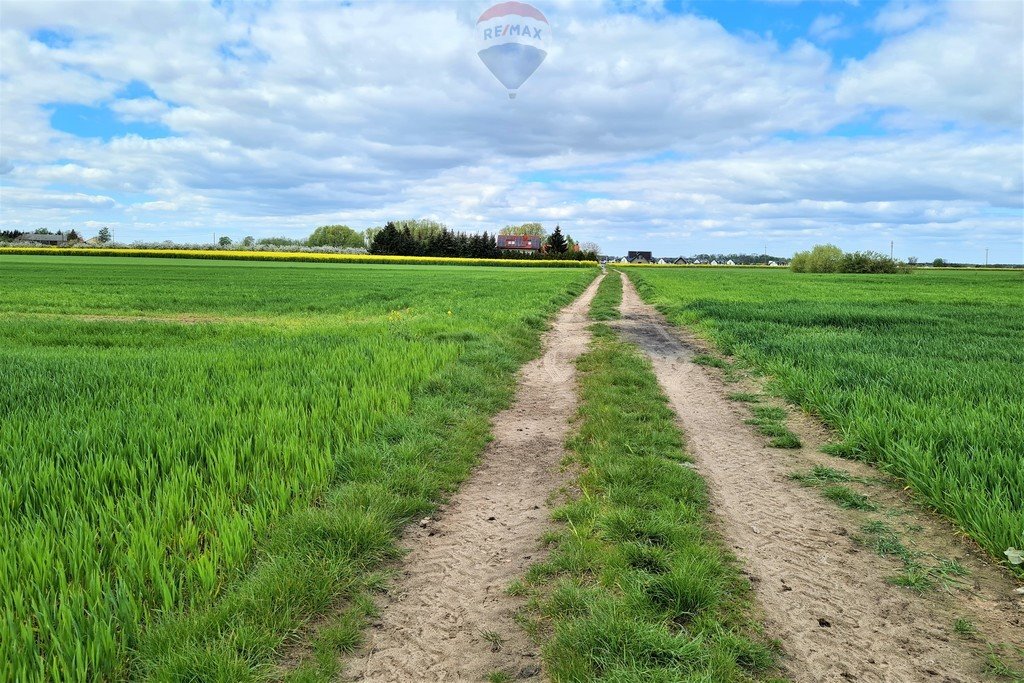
x: 637, y: 587
x: 605, y: 305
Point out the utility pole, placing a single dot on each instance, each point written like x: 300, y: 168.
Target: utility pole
x: 986, y: 257
x: 890, y: 250
x: 766, y: 253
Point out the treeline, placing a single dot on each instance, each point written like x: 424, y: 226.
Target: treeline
x: 828, y: 258
x: 943, y: 263
x: 15, y: 235
x: 741, y: 259
x: 405, y: 240
x: 412, y: 237
x: 395, y: 241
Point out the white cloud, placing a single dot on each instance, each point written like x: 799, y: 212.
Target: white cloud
x: 325, y: 113
x: 140, y: 109
x: 31, y: 199
x: 827, y: 27
x: 966, y: 67
x: 902, y: 15
x: 159, y: 205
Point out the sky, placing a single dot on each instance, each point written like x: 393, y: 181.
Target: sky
x: 678, y: 127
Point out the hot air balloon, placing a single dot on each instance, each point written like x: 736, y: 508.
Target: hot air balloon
x: 513, y: 39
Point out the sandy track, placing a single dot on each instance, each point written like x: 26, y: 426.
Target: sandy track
x: 451, y: 588
x: 825, y: 597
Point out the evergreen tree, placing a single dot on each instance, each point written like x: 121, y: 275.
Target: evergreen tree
x: 557, y: 243
x: 385, y: 241
x: 406, y: 243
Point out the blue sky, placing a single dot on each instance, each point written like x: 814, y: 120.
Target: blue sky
x: 680, y: 127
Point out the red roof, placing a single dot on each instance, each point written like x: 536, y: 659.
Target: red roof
x: 531, y: 242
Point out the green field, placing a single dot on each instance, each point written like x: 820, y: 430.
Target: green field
x: 920, y: 373
x: 198, y: 456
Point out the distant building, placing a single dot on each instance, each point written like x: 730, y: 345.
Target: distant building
x: 714, y: 263
x: 44, y: 239
x: 639, y: 254
x: 680, y: 261
x: 661, y: 262
x: 521, y: 243
x: 730, y: 263
x: 772, y: 263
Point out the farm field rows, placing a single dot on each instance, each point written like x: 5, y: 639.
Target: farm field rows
x: 198, y: 456
x: 920, y: 373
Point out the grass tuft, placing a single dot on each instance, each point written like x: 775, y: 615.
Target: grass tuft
x: 965, y: 628
x: 788, y: 440
x: 820, y: 474
x: 847, y: 498
x: 709, y: 361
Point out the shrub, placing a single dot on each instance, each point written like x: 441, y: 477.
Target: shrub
x: 868, y: 262
x: 828, y: 258
x: 336, y: 236
x: 798, y: 264
x: 825, y: 258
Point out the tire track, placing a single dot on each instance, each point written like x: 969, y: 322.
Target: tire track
x: 451, y: 588
x: 826, y: 599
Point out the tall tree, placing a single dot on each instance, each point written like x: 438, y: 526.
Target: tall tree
x: 525, y: 229
x: 557, y: 243
x: 385, y: 241
x: 104, y: 235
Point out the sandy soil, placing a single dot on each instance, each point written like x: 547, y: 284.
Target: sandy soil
x: 824, y: 596
x: 451, y: 588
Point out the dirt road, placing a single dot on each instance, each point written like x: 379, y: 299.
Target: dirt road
x: 825, y: 597
x: 447, y: 618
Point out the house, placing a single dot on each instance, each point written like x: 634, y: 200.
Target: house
x: 772, y: 263
x: 661, y: 262
x: 638, y: 259
x: 714, y: 263
x: 522, y: 243
x: 640, y: 254
x: 730, y: 263
x: 680, y: 261
x: 43, y: 239
x: 623, y: 260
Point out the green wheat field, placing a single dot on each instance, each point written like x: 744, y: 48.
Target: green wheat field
x: 922, y: 374
x: 198, y: 457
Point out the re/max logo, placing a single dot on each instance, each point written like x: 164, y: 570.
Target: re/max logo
x: 512, y: 30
